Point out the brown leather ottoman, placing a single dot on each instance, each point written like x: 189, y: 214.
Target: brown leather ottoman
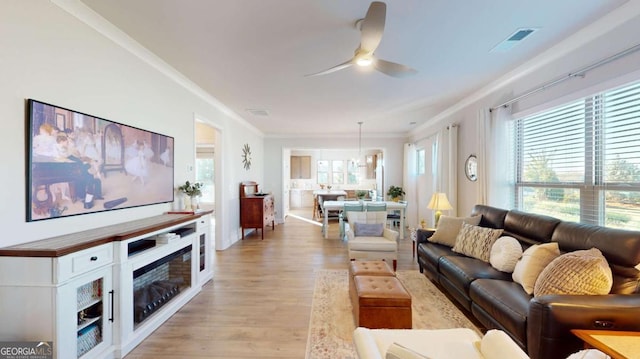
x: 380, y: 302
x: 377, y: 268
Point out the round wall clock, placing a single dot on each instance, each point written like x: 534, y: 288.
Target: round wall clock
x: 471, y: 168
x: 246, y: 156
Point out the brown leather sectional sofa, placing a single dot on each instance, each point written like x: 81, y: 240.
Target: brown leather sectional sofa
x: 540, y: 325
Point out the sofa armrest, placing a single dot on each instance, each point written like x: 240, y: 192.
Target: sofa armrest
x: 365, y: 345
x: 350, y: 234
x: 390, y: 234
x: 551, y: 317
x: 423, y: 234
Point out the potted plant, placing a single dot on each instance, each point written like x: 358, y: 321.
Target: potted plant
x: 395, y: 192
x: 193, y: 190
x: 361, y: 194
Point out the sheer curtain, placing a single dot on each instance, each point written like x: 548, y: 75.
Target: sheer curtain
x: 447, y: 165
x: 410, y: 184
x: 495, y: 158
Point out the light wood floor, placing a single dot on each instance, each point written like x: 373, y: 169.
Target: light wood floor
x: 259, y: 302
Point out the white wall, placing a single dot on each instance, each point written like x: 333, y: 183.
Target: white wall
x: 273, y: 150
x: 49, y: 55
x: 610, y: 35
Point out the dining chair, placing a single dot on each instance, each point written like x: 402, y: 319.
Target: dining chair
x: 348, y: 207
x: 393, y: 217
x: 376, y: 207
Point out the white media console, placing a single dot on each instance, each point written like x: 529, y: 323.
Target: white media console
x: 99, y: 293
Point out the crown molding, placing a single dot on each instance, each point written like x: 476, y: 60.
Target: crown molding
x: 92, y: 19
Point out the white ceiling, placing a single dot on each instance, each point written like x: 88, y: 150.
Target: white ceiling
x: 253, y: 54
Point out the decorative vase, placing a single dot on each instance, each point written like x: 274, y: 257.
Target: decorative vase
x: 195, y: 205
x: 178, y: 203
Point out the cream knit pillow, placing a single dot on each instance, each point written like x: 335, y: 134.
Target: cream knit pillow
x: 583, y: 272
x: 505, y: 253
x: 533, y: 261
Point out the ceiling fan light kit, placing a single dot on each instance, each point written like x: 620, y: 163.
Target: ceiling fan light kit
x: 371, y: 29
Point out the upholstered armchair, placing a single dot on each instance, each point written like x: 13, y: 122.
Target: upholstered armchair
x: 369, y: 239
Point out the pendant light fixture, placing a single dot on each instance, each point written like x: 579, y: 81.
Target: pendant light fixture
x: 357, y: 162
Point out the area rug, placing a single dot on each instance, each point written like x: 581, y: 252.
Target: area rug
x: 331, y: 324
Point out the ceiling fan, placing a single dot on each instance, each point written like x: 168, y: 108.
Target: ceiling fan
x: 371, y: 29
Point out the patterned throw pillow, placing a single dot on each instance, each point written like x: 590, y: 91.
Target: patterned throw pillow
x: 533, y: 261
x: 449, y: 227
x: 583, y: 272
x: 475, y: 241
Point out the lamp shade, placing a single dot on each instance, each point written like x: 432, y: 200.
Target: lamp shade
x: 439, y: 202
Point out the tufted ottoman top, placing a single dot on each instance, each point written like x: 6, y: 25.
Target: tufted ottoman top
x: 370, y: 268
x: 379, y: 291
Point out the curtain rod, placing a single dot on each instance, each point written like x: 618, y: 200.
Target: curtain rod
x: 578, y: 73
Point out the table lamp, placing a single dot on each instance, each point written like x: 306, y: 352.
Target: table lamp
x: 438, y: 203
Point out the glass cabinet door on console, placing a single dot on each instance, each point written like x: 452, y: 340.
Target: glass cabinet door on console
x: 94, y: 313
x: 205, y: 249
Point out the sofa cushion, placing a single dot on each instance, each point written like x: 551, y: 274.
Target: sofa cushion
x: 368, y: 229
x: 492, y: 217
x: 504, y: 302
x: 372, y: 244
x: 625, y: 280
x: 530, y: 228
x: 583, y: 272
x: 621, y: 247
x: 475, y: 241
x: 449, y: 227
x: 505, y: 253
x: 432, y: 252
x: 533, y: 261
x: 461, y: 271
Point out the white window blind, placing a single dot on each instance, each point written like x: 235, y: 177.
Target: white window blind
x: 581, y: 161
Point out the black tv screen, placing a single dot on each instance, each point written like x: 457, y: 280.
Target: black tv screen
x: 79, y: 164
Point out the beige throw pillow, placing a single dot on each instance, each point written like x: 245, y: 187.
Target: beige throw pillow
x: 533, y: 261
x: 505, y: 253
x: 475, y: 241
x: 583, y: 272
x: 449, y: 227
x: 497, y: 344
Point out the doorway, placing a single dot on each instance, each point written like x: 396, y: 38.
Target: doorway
x: 207, y: 171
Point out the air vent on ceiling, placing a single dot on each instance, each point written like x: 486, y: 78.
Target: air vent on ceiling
x: 514, y: 39
x: 258, y: 112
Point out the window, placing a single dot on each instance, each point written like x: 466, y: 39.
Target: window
x: 581, y: 161
x: 420, y: 161
x: 334, y: 172
x: 352, y: 172
x: 337, y: 172
x: 323, y: 172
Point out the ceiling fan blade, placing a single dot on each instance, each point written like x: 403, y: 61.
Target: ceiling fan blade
x: 373, y: 26
x: 393, y: 69
x: 343, y: 65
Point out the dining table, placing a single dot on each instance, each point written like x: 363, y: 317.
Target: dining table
x: 339, y: 206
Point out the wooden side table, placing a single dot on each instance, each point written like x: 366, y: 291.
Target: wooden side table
x: 616, y: 344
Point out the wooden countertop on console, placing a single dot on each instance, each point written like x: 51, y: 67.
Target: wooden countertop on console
x: 74, y: 242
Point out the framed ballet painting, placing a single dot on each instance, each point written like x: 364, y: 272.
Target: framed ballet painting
x: 79, y: 164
